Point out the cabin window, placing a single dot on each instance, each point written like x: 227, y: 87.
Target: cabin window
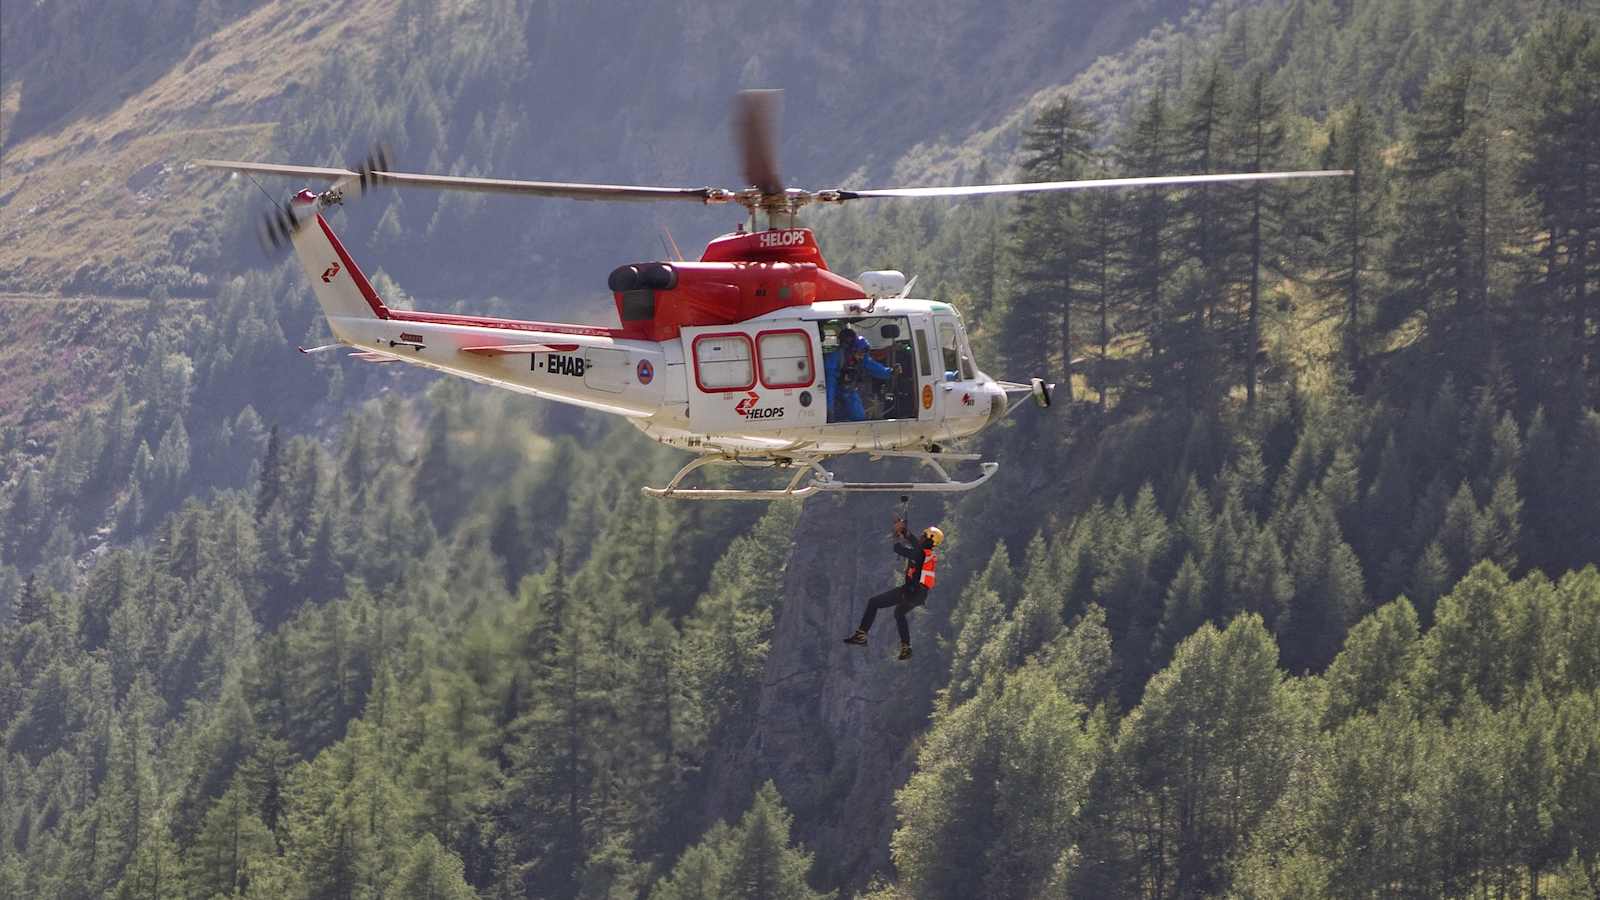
x: 922, y: 353
x: 785, y: 359
x: 724, y: 362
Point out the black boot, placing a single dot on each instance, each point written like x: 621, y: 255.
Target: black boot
x: 905, y: 651
x: 860, y: 637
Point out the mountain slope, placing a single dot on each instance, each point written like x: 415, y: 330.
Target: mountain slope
x: 99, y: 196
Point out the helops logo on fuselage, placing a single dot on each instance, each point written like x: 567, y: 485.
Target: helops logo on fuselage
x: 747, y: 408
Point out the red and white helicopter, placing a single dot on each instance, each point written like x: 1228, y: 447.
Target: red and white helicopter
x: 733, y: 356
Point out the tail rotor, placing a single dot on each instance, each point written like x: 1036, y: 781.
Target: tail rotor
x: 372, y: 169
x: 277, y: 227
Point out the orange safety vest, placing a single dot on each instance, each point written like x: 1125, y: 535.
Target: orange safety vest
x: 929, y: 563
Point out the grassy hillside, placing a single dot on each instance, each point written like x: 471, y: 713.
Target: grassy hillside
x: 105, y: 198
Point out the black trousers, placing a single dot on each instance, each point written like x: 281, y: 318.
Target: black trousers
x: 904, y: 599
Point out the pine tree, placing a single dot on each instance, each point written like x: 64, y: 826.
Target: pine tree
x: 1347, y: 242
x: 128, y: 794
x: 32, y: 604
x: 1463, y: 653
x: 1577, y: 808
x: 1095, y: 291
x: 1579, y: 483
x: 119, y: 441
x: 1131, y: 565
x: 750, y: 860
x: 1036, y: 618
x: 450, y: 775
x: 976, y: 622
x: 1209, y: 750
x: 1559, y: 141
x: 1043, y: 237
x: 1502, y: 523
x: 1260, y: 142
x: 1461, y: 536
x: 982, y: 622
x: 231, y: 840
x: 1440, y: 262
x: 547, y: 795
x: 993, y: 803
x: 1430, y: 578
x: 1210, y: 234
x: 1183, y: 611
x: 1145, y: 232
x: 1364, y: 814
x: 1265, y: 586
x: 430, y: 872
x: 699, y: 871
x: 1375, y: 660
x: 171, y: 459
x: 1328, y: 587
x: 760, y: 860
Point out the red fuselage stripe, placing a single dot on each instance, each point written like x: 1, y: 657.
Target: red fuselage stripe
x: 362, y: 284
x: 406, y: 315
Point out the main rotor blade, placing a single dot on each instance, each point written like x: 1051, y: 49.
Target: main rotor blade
x: 274, y: 169
x: 572, y: 190
x: 755, y: 116
x: 1037, y: 186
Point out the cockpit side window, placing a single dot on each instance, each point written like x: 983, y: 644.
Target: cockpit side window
x: 948, y: 347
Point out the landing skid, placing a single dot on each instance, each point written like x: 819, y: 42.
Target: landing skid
x: 823, y: 480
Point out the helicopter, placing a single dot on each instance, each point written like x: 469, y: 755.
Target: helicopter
x: 741, y: 357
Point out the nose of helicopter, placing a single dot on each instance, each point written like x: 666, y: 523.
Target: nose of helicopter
x: 996, y: 396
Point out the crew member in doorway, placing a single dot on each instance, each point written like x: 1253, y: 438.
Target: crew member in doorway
x: 920, y: 565
x: 843, y: 368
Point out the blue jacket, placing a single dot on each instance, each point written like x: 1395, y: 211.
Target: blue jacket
x: 833, y: 362
x: 833, y: 365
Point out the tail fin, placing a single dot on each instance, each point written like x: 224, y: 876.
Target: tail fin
x: 342, y: 290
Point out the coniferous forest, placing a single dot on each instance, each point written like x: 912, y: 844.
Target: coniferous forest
x: 1292, y: 593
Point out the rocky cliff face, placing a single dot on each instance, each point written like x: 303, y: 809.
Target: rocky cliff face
x: 836, y: 725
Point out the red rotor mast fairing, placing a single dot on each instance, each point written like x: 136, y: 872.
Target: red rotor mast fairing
x: 740, y: 276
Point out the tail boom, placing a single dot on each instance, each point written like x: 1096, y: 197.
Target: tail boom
x: 582, y: 365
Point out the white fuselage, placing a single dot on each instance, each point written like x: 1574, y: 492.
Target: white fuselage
x: 758, y: 387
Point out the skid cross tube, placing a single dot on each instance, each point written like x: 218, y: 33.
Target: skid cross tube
x: 822, y: 479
